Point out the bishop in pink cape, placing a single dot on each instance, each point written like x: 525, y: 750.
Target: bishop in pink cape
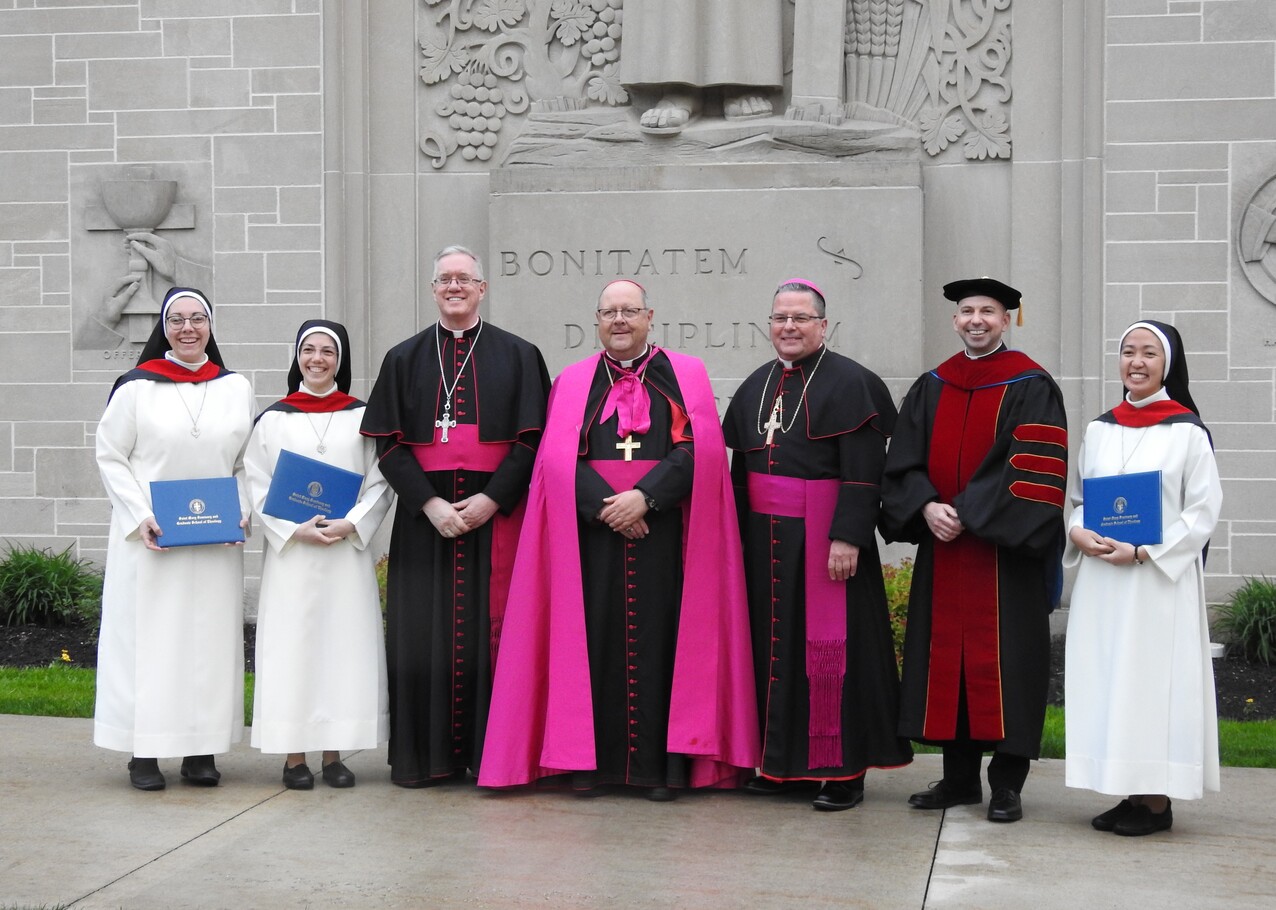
x: 541, y: 720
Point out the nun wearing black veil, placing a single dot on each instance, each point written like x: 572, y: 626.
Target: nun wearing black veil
x: 320, y: 660
x: 1141, y: 720
x: 170, y: 673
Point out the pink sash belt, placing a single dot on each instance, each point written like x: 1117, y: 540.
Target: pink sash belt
x: 814, y: 501
x: 461, y: 452
x: 621, y: 475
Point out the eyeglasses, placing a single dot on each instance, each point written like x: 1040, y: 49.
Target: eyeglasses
x: 198, y: 321
x: 799, y: 320
x: 462, y: 280
x: 629, y: 312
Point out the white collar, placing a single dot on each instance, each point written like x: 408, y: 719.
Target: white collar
x: 169, y: 356
x: 1159, y: 395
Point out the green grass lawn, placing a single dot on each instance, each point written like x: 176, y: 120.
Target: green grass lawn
x: 61, y: 691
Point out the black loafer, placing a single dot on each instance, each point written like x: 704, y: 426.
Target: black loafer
x: 766, y: 786
x: 1004, y: 806
x: 423, y: 783
x: 144, y: 774
x: 943, y: 795
x: 200, y: 770
x: 335, y: 774
x: 298, y: 777
x: 838, y: 796
x: 1142, y: 821
x: 662, y: 794
x: 1107, y: 820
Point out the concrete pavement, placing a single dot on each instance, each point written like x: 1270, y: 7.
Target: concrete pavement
x: 73, y: 832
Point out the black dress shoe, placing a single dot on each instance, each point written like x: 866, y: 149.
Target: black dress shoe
x: 335, y: 774
x: 943, y: 795
x: 839, y: 795
x: 661, y: 794
x: 766, y: 786
x: 1107, y: 820
x: 1143, y: 820
x: 200, y: 770
x: 144, y: 774
x: 1004, y: 806
x: 298, y: 777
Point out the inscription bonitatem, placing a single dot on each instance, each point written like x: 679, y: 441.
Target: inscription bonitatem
x: 624, y: 262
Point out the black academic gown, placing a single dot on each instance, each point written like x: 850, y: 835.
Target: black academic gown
x: 840, y: 434
x: 438, y: 630
x: 633, y: 588
x: 998, y: 426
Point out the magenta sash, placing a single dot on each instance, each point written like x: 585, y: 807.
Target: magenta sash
x: 464, y: 452
x: 622, y: 475
x: 814, y: 501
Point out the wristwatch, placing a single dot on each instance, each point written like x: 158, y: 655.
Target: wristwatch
x: 650, y: 501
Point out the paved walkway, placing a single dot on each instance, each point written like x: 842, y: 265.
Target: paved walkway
x: 73, y: 832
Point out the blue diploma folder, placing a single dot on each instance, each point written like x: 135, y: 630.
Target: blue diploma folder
x: 194, y: 512
x: 302, y: 488
x: 1125, y: 507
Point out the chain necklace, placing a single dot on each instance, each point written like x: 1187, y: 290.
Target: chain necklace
x: 446, y: 420
x: 194, y: 418
x: 320, y: 448
x: 776, y: 420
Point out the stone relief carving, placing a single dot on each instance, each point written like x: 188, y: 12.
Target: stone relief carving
x: 546, y: 82
x: 506, y: 56
x: 1256, y: 240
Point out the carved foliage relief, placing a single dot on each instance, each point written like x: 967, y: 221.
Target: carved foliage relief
x: 502, y: 57
x: 938, y: 67
x: 940, y: 64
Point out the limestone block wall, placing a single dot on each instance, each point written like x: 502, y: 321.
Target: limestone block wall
x: 225, y: 98
x: 1190, y: 141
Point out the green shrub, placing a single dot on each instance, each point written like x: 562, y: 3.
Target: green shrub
x: 1248, y: 619
x: 899, y: 581
x: 39, y: 587
x: 382, y: 569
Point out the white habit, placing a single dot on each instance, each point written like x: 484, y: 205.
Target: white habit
x: 1141, y: 715
x: 170, y: 674
x: 320, y: 662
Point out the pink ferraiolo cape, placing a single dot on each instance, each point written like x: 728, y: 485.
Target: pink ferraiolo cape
x: 541, y: 719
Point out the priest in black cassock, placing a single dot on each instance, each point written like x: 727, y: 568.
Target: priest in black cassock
x: 976, y: 475
x: 457, y: 413
x: 809, y: 432
x: 626, y: 658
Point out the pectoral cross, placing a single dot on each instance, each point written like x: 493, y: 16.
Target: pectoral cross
x: 628, y: 446
x: 773, y: 422
x: 445, y: 422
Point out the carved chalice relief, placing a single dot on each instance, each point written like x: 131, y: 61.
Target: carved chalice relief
x: 137, y: 204
x: 1256, y: 240
x: 503, y: 57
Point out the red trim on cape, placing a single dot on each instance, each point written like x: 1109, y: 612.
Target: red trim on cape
x: 1127, y: 415
x: 1037, y: 492
x: 1040, y: 464
x: 541, y: 717
x: 319, y: 404
x: 1044, y: 433
x: 173, y: 372
x: 968, y: 374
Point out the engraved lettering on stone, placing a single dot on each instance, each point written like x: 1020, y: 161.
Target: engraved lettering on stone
x: 839, y: 256
x: 624, y: 263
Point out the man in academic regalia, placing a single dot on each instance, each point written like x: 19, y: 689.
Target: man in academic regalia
x: 457, y: 412
x: 976, y: 475
x: 626, y: 653
x: 809, y: 432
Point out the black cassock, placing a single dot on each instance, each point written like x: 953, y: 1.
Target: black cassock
x: 633, y: 588
x: 439, y: 637
x: 840, y: 431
